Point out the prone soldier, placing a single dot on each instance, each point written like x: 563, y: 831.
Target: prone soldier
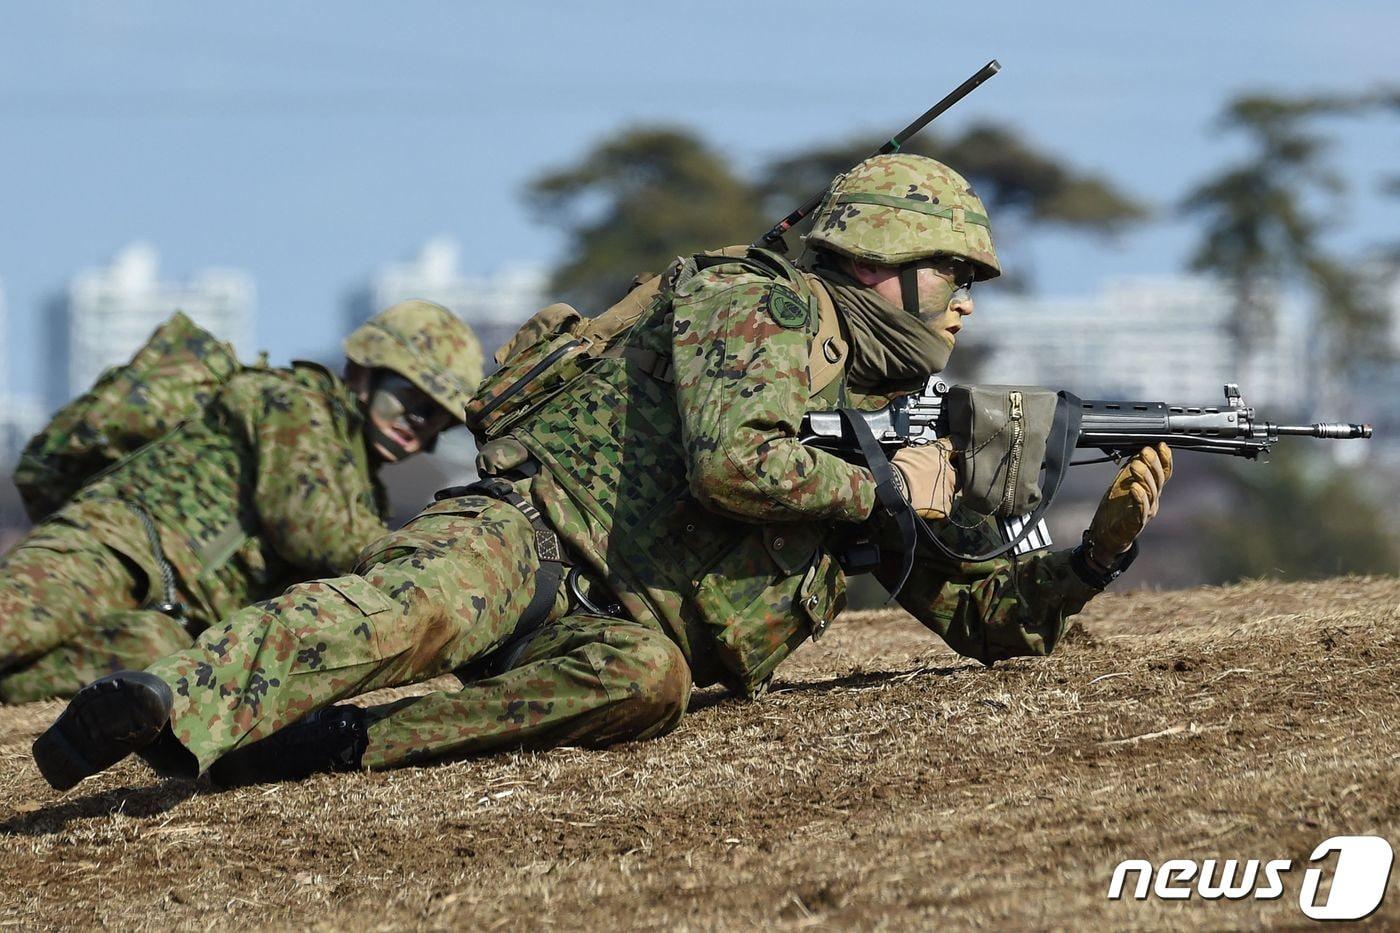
x: 649, y: 521
x: 274, y: 481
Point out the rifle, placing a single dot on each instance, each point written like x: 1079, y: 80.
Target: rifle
x: 773, y: 239
x: 1117, y: 428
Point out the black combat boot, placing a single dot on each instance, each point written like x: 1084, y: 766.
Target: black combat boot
x: 168, y: 758
x: 332, y: 739
x: 105, y: 721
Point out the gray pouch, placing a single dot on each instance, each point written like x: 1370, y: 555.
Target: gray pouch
x: 1000, y: 432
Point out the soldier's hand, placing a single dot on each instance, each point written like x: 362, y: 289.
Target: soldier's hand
x: 1129, y: 504
x: 930, y: 479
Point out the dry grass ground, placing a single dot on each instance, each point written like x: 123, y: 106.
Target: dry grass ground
x: 884, y: 783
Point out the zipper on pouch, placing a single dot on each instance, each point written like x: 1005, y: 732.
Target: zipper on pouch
x: 1018, y: 434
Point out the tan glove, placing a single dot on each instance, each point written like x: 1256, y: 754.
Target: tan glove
x: 929, y: 477
x: 1129, y: 504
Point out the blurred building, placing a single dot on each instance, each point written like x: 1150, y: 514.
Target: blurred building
x: 106, y: 313
x: 5, y: 342
x: 1372, y: 390
x: 1144, y: 339
x: 20, y: 418
x: 494, y: 306
x: 1393, y: 307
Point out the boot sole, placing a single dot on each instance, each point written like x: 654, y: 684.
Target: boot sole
x: 105, y: 722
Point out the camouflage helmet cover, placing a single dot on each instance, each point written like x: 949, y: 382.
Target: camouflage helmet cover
x: 427, y: 345
x: 897, y: 208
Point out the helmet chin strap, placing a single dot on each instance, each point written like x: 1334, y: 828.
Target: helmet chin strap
x: 909, y: 287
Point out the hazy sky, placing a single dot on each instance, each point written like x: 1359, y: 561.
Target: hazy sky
x: 309, y: 143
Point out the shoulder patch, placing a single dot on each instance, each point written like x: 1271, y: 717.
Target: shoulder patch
x: 786, y: 308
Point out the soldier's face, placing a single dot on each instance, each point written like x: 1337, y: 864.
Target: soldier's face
x: 945, y: 294
x: 945, y: 290
x: 403, y: 419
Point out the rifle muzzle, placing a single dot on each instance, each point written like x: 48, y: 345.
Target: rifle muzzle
x: 1335, y: 430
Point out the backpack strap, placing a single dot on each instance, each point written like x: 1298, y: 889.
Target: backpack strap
x: 830, y: 350
x: 603, y: 329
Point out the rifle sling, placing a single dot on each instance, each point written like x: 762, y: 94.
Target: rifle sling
x: 885, y: 490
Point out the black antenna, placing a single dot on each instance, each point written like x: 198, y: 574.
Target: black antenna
x: 773, y: 239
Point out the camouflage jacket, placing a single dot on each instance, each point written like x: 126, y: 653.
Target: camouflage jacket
x: 683, y: 484
x: 270, y: 485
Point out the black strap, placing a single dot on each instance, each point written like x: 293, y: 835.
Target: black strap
x: 1091, y: 576
x: 886, y: 490
x: 909, y: 287
x: 550, y: 554
x: 1059, y: 450
x: 775, y: 263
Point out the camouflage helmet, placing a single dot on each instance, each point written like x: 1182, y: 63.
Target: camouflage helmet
x: 897, y: 208
x: 427, y: 345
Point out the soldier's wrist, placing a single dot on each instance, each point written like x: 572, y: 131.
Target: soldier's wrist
x: 1093, y: 570
x: 1094, y: 557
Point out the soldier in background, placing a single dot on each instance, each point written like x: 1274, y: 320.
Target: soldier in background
x: 272, y: 482
x: 650, y: 521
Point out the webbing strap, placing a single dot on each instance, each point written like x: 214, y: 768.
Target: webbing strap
x: 656, y: 365
x: 1059, y: 450
x: 885, y: 490
x: 550, y: 554
x: 827, y: 361
x: 919, y: 207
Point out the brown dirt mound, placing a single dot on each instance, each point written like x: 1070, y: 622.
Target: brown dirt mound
x: 884, y: 782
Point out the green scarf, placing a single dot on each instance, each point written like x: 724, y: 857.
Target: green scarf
x: 891, y: 349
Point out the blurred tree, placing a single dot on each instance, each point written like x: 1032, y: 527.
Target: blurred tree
x: 1390, y: 252
x: 1302, y: 517
x: 638, y: 200
x: 633, y: 204
x: 1265, y: 217
x: 1387, y: 100
x: 1021, y: 185
x: 1011, y: 176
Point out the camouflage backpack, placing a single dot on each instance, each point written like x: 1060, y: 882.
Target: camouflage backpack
x: 558, y: 344
x: 169, y: 380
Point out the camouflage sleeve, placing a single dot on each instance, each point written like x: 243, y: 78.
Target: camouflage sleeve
x: 740, y: 346
x: 995, y: 609
x: 315, y: 502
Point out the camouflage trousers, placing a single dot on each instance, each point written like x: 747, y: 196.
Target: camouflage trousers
x: 445, y: 590
x: 69, y: 612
